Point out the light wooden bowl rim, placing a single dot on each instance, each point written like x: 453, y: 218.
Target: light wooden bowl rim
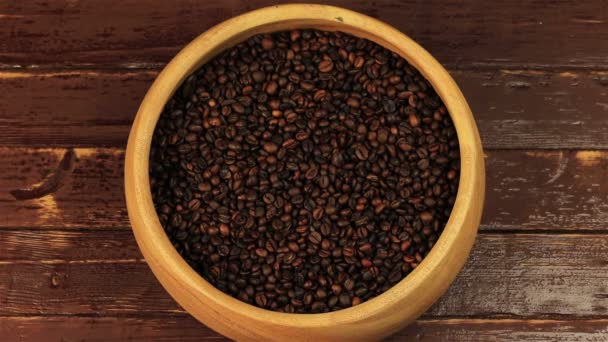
x: 403, y: 302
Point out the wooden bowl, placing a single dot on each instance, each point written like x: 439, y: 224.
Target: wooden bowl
x: 374, y: 319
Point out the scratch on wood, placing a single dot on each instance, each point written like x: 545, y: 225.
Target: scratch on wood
x: 561, y: 167
x: 7, y: 75
x: 79, y: 73
x: 71, y: 262
x: 542, y: 154
x: 586, y: 21
x: 459, y: 321
x: 518, y: 84
x: 14, y: 16
x: 603, y: 105
x: 528, y: 73
x: 52, y: 182
x: 601, y: 77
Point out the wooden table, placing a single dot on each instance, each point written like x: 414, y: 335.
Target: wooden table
x: 535, y: 73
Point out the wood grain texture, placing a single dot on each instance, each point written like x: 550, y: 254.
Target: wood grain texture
x: 507, y: 276
x: 70, y: 108
x: 532, y: 109
x: 72, y: 74
x: 513, y: 109
x: 92, y: 197
x: 539, y: 190
x: 526, y: 190
x: 184, y: 329
x: 62, y: 246
x: 504, y: 331
x: 94, y: 288
x: 470, y: 33
x: 111, y: 329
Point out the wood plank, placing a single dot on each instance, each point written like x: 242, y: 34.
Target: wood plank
x: 184, y: 329
x: 64, y: 246
x: 94, y: 288
x: 507, y: 276
x: 539, y: 190
x: 70, y: 107
x: 144, y: 329
x: 526, y: 190
x: 470, y: 33
x: 536, y: 275
x: 504, y: 330
x: 514, y: 109
x: 530, y: 109
x: 92, y: 197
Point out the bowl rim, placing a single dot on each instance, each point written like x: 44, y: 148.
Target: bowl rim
x: 150, y: 234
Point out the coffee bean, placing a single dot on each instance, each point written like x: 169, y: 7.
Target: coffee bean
x: 304, y: 171
x: 382, y: 135
x: 389, y: 105
x: 326, y: 65
x: 349, y: 284
x: 336, y: 289
x: 404, y: 145
x: 194, y: 204
x: 260, y: 300
x: 289, y: 143
x: 314, y: 237
x: 270, y: 147
x: 267, y: 43
x: 302, y: 135
x: 361, y: 152
x: 318, y: 307
x: 413, y: 120
x: 426, y: 217
x: 359, y: 61
x: 318, y: 213
x: 345, y: 300
x: 262, y: 253
x: 258, y: 76
x: 272, y: 87
x: 224, y: 229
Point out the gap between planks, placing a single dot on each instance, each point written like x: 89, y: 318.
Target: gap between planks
x: 452, y: 320
x: 36, y: 70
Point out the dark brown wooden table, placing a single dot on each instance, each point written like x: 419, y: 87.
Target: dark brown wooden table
x: 536, y: 76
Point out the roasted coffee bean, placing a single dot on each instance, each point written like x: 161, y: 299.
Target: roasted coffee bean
x: 361, y: 152
x: 326, y: 65
x: 304, y: 171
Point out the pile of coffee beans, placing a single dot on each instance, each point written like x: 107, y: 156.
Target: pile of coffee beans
x: 304, y: 171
